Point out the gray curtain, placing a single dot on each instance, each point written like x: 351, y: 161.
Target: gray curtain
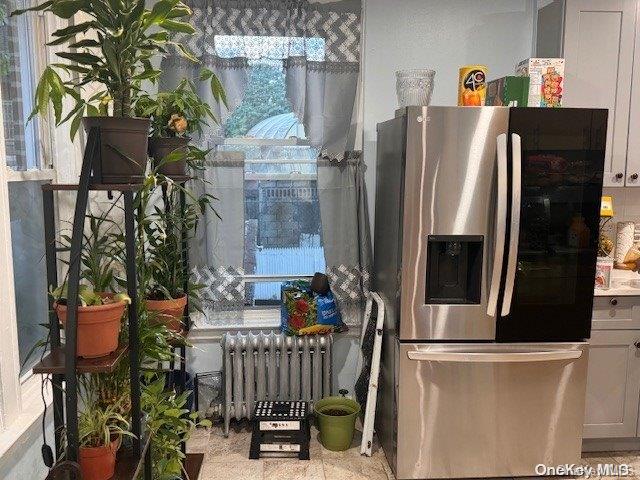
x: 320, y: 56
x: 345, y: 231
x: 217, y: 251
x: 321, y: 82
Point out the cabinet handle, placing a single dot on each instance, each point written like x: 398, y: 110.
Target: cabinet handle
x: 613, y: 301
x: 636, y: 344
x: 619, y: 175
x: 634, y: 176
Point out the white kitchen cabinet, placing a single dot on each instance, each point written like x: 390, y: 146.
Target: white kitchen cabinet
x: 598, y: 49
x: 613, y: 384
x: 616, y: 313
x: 633, y: 150
x: 597, y: 41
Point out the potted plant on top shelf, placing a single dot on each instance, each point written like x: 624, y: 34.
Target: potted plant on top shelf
x: 175, y: 116
x: 119, y: 40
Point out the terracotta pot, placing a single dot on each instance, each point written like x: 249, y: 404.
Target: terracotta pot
x: 98, y: 328
x: 99, y: 463
x: 170, y: 312
x: 160, y: 147
x: 123, y: 147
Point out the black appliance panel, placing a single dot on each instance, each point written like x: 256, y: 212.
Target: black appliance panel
x: 562, y: 169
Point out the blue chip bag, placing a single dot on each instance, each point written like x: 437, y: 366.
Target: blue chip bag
x: 328, y: 313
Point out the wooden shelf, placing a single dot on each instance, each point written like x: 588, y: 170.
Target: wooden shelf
x: 193, y: 465
x: 54, y: 362
x: 128, y: 466
x: 122, y: 187
x: 106, y: 187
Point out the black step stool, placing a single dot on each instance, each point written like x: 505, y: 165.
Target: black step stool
x: 280, y: 429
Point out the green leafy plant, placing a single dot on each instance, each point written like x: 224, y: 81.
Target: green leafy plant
x: 98, y: 424
x: 181, y: 111
x: 120, y: 38
x: 101, y: 255
x: 169, y: 424
x: 162, y: 228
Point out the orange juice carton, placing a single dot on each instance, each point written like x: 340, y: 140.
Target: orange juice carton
x: 546, y: 80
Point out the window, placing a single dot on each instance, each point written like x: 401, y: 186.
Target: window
x: 283, y: 235
x: 22, y: 170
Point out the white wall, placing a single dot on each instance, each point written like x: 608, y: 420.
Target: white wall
x: 23, y: 460
x: 441, y: 35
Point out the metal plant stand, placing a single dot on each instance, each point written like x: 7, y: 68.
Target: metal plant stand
x: 61, y: 362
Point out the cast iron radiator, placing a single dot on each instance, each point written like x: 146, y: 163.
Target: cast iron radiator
x: 273, y: 367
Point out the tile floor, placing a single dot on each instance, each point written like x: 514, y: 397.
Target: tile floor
x: 228, y: 458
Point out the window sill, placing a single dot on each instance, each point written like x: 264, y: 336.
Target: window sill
x: 207, y: 330
x: 20, y: 431
x: 212, y: 325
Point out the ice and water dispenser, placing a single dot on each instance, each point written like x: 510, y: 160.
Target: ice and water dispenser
x: 454, y: 269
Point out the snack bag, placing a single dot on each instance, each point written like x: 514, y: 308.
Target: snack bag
x: 328, y: 313
x: 309, y: 308
x: 299, y: 307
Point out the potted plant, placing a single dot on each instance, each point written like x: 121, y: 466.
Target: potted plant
x: 170, y: 423
x: 100, y: 432
x: 119, y: 39
x: 176, y: 115
x: 162, y: 265
x: 100, y: 310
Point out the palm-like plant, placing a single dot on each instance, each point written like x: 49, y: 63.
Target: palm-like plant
x: 120, y: 37
x: 163, y: 233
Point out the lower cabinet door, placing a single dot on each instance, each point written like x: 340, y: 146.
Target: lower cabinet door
x: 613, y: 384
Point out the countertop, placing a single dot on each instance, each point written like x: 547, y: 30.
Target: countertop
x: 623, y: 283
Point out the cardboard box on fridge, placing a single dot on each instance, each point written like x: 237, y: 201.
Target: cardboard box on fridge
x: 546, y: 80
x: 508, y: 91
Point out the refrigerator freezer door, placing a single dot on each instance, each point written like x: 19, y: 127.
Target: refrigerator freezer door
x: 561, y: 152
x: 489, y: 410
x: 450, y: 190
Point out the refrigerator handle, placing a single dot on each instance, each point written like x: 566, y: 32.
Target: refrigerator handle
x: 493, y: 357
x: 516, y: 194
x: 501, y: 225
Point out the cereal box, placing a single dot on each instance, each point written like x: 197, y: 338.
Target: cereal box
x: 546, y: 80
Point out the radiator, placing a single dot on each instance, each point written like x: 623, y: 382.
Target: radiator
x: 273, y: 367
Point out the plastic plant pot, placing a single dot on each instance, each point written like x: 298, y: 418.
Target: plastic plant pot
x: 336, y: 421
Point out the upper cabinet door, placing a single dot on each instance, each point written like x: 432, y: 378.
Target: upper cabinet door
x: 633, y: 153
x: 598, y: 50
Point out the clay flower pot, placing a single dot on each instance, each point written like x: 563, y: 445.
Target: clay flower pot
x: 98, y: 328
x: 99, y: 463
x: 160, y: 147
x: 170, y: 312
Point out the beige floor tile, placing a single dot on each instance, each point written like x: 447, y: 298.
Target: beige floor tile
x: 292, y: 469
x: 199, y: 441
x: 233, y: 448
x: 232, y: 470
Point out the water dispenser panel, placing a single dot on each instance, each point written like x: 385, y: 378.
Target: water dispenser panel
x: 454, y: 269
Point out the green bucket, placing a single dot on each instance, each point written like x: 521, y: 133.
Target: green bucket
x: 336, y: 431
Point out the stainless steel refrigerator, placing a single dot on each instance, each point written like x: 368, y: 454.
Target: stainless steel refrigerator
x: 485, y: 243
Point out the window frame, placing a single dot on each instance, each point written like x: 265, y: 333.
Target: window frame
x: 260, y: 316
x: 21, y: 401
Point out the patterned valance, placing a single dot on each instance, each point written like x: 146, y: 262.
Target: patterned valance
x: 339, y: 28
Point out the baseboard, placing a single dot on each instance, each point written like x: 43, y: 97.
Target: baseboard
x: 610, y: 444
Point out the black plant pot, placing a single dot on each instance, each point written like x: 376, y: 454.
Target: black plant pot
x: 123, y: 147
x: 160, y: 147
